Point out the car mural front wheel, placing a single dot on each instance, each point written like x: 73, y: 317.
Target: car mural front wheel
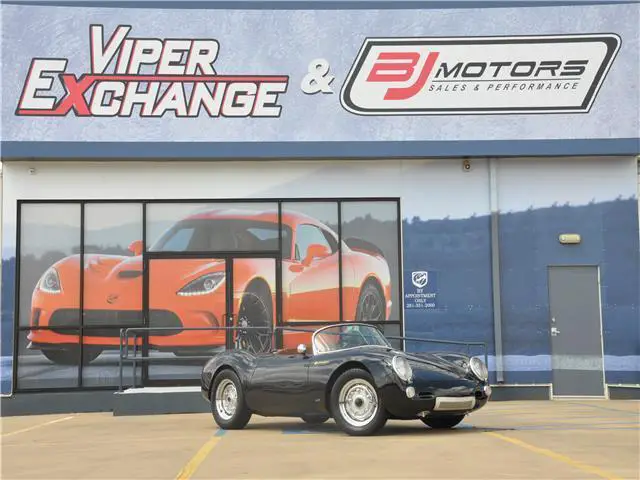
x: 371, y: 305
x: 228, y: 406
x: 72, y: 355
x: 443, y: 422
x: 256, y: 310
x: 356, y: 405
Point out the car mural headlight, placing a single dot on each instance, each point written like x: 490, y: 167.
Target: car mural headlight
x: 402, y: 368
x: 50, y: 281
x: 479, y: 369
x: 202, y: 285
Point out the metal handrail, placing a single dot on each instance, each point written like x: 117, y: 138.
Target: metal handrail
x: 124, y: 345
x: 125, y: 337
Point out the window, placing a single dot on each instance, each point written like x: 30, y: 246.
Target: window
x: 211, y: 227
x: 370, y: 230
x: 308, y: 235
x: 356, y: 278
x: 178, y: 240
x: 112, y: 287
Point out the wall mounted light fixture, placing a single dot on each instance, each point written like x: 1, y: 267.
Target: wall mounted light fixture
x: 570, y: 238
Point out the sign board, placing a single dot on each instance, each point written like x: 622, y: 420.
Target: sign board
x: 421, y: 291
x: 298, y: 76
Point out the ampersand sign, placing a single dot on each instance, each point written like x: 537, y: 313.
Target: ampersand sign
x: 318, y: 78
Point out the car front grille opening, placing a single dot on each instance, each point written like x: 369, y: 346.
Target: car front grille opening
x: 107, y: 323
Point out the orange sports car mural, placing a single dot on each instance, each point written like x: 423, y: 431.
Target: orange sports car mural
x: 191, y: 292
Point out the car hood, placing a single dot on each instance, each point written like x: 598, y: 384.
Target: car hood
x: 434, y: 360
x: 438, y: 362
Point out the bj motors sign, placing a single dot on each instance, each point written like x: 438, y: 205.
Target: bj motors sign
x: 479, y: 75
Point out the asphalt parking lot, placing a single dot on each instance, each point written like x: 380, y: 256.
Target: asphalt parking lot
x: 527, y: 440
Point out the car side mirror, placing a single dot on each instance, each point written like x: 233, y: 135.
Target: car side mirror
x: 302, y: 349
x: 135, y: 247
x: 315, y: 250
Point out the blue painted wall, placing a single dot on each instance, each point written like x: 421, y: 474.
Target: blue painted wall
x: 460, y: 251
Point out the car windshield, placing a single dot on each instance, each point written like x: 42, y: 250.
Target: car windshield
x: 340, y: 337
x: 211, y: 235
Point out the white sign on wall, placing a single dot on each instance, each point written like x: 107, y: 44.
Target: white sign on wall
x: 478, y: 75
x: 160, y: 76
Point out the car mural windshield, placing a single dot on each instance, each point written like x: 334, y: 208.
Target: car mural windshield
x: 211, y: 235
x: 340, y: 337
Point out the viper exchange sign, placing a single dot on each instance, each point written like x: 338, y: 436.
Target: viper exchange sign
x: 159, y: 76
x: 479, y: 75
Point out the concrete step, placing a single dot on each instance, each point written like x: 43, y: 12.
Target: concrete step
x: 159, y: 400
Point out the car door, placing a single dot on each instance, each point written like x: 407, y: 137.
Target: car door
x: 313, y: 289
x: 279, y: 384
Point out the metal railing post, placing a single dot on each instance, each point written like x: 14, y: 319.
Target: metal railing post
x: 135, y: 354
x: 120, y: 382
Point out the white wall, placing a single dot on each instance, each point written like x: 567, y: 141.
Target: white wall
x: 429, y: 188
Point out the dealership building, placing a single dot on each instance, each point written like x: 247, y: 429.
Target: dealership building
x: 445, y: 170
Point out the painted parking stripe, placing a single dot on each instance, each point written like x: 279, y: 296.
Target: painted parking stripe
x: 557, y: 456
x: 194, y: 463
x: 40, y: 425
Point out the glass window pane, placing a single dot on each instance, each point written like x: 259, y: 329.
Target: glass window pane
x: 112, y: 286
x: 113, y: 265
x: 48, y: 358
x: 209, y: 227
x: 185, y: 293
x: 293, y: 335
x: 392, y: 330
x: 49, y: 265
x: 101, y: 361
x: 310, y: 262
x: 254, y: 290
x: 370, y: 269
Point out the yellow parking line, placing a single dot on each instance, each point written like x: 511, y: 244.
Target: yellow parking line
x: 190, y: 468
x: 563, y: 458
x: 23, y: 430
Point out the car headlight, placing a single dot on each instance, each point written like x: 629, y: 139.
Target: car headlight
x: 479, y: 369
x: 50, y: 281
x: 402, y: 368
x: 202, y: 285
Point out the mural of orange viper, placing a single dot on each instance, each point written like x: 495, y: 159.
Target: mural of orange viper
x: 193, y: 292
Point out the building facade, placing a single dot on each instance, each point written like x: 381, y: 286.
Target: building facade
x: 453, y: 172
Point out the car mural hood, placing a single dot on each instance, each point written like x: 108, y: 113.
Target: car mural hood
x: 116, y: 267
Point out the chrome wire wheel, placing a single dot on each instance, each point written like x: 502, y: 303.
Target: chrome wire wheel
x: 226, y: 399
x: 358, y: 402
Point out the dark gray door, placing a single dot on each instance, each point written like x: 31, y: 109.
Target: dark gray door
x: 576, y: 331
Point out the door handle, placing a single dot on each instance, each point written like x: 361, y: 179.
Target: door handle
x: 554, y: 331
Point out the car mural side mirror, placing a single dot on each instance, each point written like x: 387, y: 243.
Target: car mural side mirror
x: 315, y: 250
x: 302, y: 349
x: 135, y: 247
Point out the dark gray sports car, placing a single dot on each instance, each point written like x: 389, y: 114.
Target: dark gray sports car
x: 351, y: 374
